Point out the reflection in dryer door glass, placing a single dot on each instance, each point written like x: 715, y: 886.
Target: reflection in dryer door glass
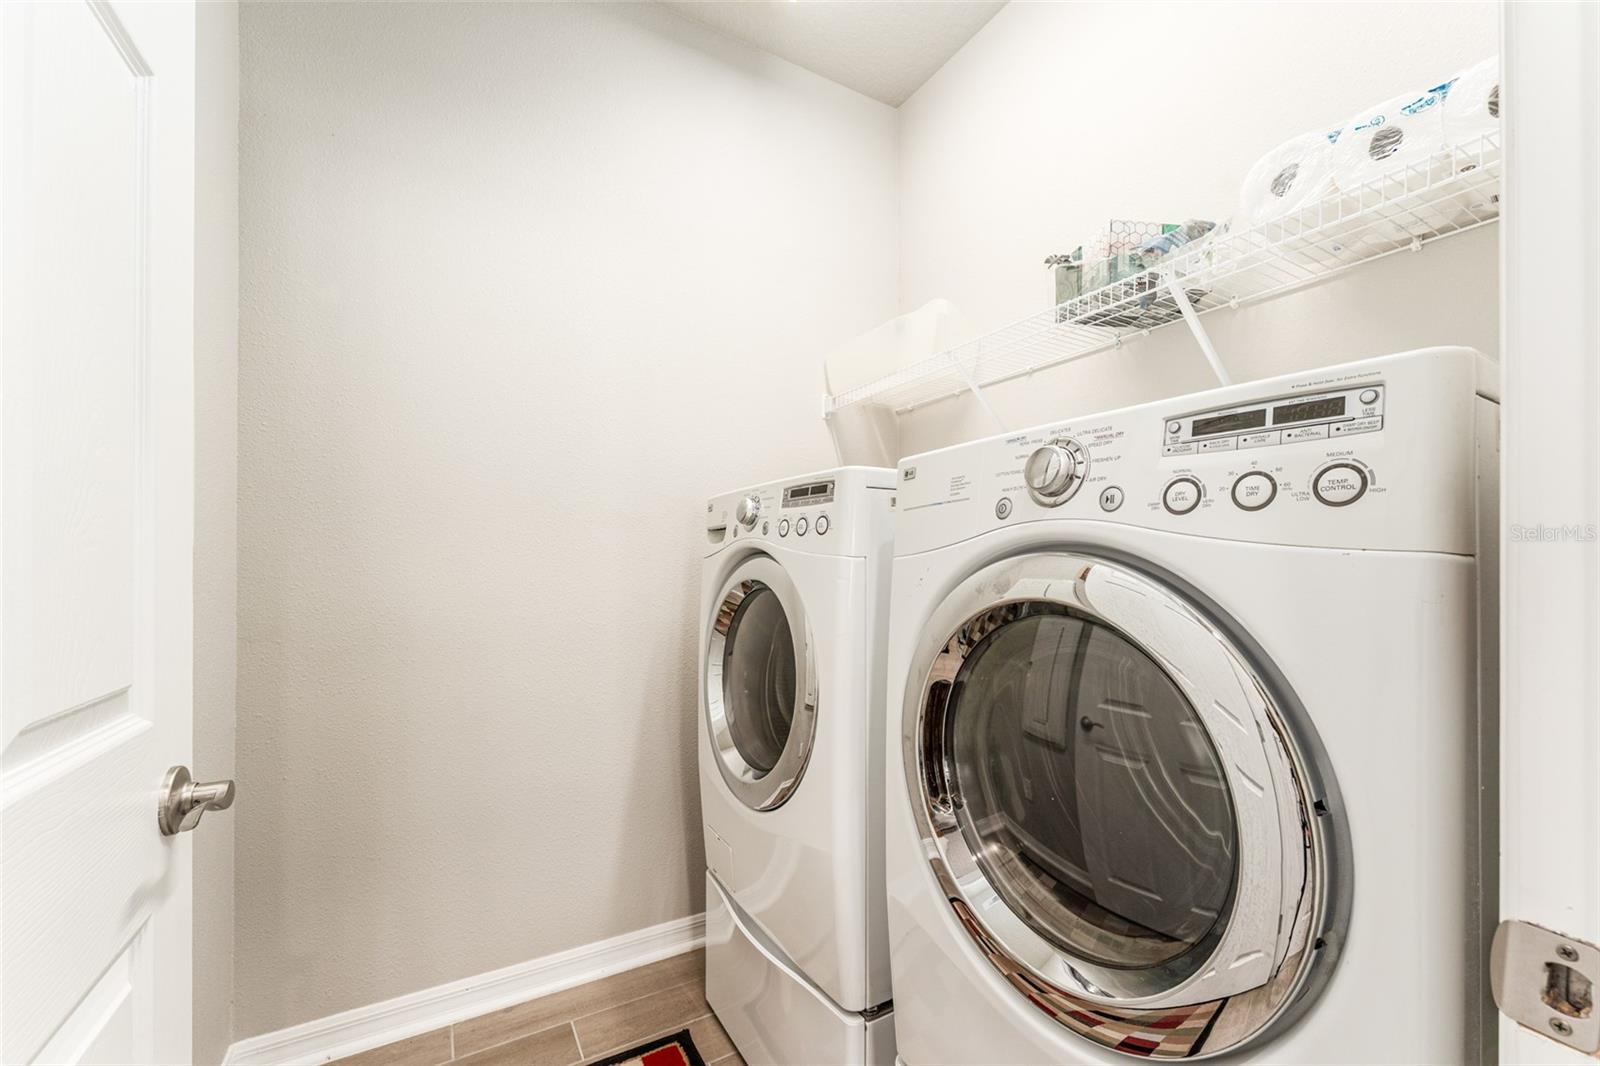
x: 1090, y: 791
x: 758, y: 679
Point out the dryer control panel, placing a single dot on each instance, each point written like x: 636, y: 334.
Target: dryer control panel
x: 1288, y: 419
x: 1381, y: 454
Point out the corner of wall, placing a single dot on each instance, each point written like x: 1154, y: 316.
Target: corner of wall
x: 216, y: 335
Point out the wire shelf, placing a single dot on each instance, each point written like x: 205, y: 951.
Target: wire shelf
x: 1455, y: 190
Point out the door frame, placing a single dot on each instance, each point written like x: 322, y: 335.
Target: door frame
x: 1550, y: 494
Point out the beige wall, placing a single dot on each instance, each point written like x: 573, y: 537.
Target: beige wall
x: 216, y: 378
x: 522, y: 285
x: 1056, y: 118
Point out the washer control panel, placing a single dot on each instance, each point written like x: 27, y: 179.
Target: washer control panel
x: 1282, y: 420
x: 835, y: 512
x: 807, y: 495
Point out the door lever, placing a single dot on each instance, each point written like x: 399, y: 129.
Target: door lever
x: 184, y: 800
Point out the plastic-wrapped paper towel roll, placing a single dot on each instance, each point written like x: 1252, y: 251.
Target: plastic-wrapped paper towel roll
x: 1289, y: 177
x: 1472, y: 108
x: 1472, y: 111
x: 1384, y: 139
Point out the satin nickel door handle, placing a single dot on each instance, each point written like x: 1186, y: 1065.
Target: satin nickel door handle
x: 184, y: 800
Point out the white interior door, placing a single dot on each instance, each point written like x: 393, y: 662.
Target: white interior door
x: 1550, y: 693
x: 96, y: 479
x: 1140, y: 750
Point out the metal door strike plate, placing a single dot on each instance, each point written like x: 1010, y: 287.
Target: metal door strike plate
x: 1546, y: 982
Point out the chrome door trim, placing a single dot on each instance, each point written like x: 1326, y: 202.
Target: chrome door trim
x: 761, y: 790
x: 1270, y: 949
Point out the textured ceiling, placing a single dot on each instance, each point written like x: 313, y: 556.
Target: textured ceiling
x: 883, y: 48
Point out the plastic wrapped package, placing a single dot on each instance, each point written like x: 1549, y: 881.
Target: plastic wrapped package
x: 1472, y: 112
x: 1296, y: 173
x: 1400, y: 132
x: 1472, y: 107
x: 1171, y: 238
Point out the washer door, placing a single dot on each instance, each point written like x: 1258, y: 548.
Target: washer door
x: 1112, y: 806
x: 761, y: 685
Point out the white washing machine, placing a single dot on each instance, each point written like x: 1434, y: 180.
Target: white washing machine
x: 1186, y: 704
x: 794, y: 590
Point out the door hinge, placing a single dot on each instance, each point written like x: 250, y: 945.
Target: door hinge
x: 1545, y: 981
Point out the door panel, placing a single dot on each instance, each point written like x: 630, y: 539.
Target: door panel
x: 105, y: 1027
x: 97, y: 524
x: 77, y: 217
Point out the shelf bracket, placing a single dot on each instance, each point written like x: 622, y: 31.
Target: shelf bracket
x: 977, y: 391
x: 1201, y: 337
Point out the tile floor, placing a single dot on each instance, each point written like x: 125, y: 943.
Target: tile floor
x: 578, y: 1025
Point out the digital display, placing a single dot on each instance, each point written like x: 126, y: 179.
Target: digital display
x: 1310, y: 411
x: 804, y: 495
x: 1230, y: 423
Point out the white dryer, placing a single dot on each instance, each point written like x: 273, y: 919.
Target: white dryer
x: 1186, y: 710
x: 794, y: 588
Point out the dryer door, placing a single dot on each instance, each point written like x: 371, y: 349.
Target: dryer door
x: 761, y: 685
x: 1113, y: 806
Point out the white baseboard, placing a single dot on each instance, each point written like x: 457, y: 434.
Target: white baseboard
x: 373, y: 1026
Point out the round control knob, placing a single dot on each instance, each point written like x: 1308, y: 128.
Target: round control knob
x: 748, y: 511
x: 1049, y: 470
x: 1254, y: 490
x: 1182, y: 495
x: 1339, y: 484
x: 1055, y: 471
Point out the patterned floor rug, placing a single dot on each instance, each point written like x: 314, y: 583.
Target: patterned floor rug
x: 675, y: 1049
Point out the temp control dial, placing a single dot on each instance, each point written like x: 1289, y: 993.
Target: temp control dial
x: 748, y: 511
x: 1055, y: 471
x: 1340, y: 484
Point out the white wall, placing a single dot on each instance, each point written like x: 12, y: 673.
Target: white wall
x: 1056, y: 118
x: 522, y: 285
x: 216, y: 380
